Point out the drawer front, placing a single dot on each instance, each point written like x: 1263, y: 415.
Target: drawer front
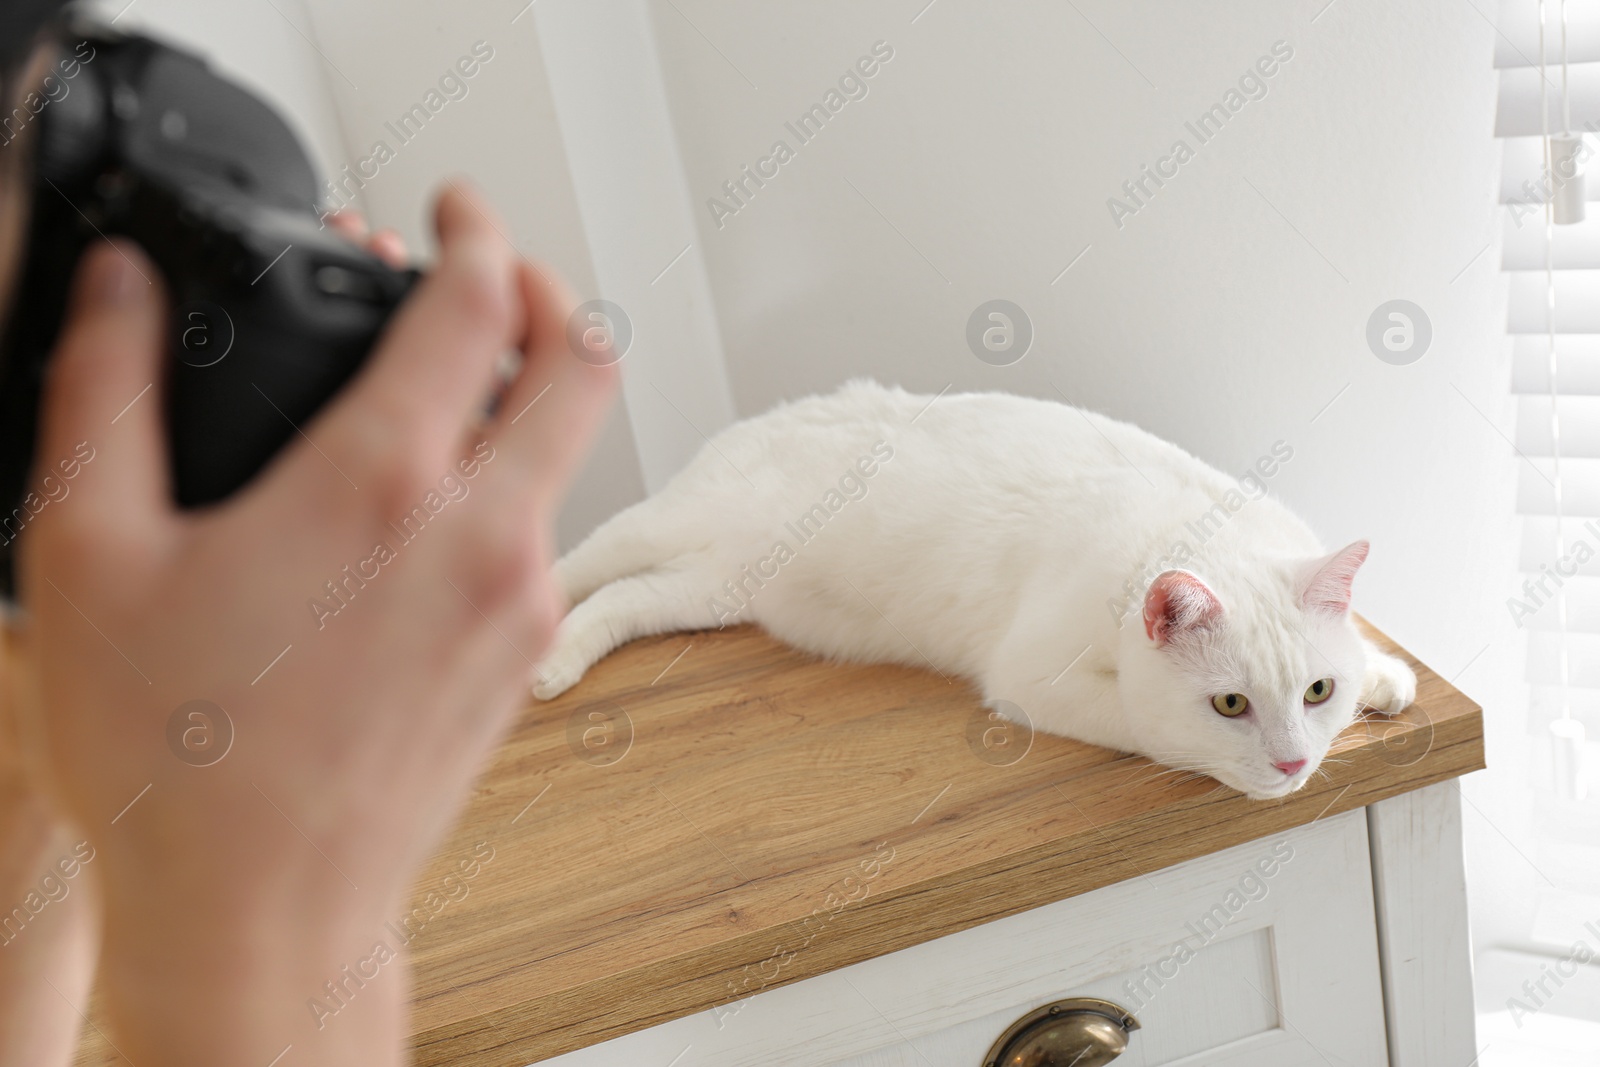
x: 1264, y: 955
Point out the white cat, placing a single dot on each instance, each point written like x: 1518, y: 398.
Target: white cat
x: 1108, y: 584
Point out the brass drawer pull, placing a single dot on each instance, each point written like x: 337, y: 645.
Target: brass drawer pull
x: 1068, y: 1033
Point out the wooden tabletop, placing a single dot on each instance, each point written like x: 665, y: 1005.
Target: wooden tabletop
x: 709, y: 815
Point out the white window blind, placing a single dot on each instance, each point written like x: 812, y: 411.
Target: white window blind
x: 1553, y: 319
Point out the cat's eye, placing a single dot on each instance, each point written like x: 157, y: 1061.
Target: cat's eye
x: 1319, y: 690
x: 1230, y: 704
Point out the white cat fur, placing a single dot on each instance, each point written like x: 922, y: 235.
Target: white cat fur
x: 998, y: 538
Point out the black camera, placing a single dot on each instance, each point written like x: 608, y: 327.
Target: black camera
x: 272, y: 311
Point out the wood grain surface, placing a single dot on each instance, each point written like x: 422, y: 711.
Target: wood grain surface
x: 709, y: 815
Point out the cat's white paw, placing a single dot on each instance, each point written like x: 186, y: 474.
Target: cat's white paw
x: 552, y: 678
x: 1390, y: 686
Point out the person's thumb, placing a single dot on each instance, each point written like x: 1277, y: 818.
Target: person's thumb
x: 100, y: 427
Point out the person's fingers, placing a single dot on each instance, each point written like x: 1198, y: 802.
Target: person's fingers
x: 351, y: 224
x: 410, y: 405
x: 388, y: 246
x: 101, y: 431
x: 551, y: 412
x: 386, y: 243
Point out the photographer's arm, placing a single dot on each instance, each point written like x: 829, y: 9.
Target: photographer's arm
x: 48, y: 922
x: 238, y: 894
x: 48, y: 935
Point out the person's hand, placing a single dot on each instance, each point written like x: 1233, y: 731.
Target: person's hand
x: 386, y: 244
x: 363, y: 614
x: 45, y: 976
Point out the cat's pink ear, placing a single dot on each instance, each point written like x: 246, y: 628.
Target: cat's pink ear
x: 1177, y: 603
x: 1327, y: 588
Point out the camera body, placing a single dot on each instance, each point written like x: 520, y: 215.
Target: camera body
x: 271, y: 311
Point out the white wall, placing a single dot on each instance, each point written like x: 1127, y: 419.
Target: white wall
x: 606, y: 83
x: 1218, y: 316
x: 504, y: 133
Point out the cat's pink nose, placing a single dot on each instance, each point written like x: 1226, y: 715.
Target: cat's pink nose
x: 1290, y: 766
